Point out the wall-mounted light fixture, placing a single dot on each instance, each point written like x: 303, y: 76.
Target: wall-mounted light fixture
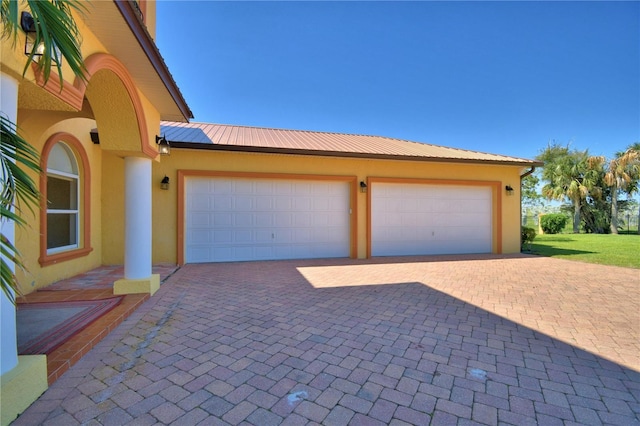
x: 509, y: 189
x: 363, y: 187
x: 33, y: 45
x: 163, y: 145
x: 164, y: 183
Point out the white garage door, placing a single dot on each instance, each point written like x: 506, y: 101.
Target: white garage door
x: 414, y: 219
x: 235, y: 219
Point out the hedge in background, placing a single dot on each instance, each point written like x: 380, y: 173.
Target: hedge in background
x: 553, y: 223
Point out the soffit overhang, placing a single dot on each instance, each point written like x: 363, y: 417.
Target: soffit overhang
x: 119, y: 27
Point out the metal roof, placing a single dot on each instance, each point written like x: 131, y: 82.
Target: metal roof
x: 258, y: 139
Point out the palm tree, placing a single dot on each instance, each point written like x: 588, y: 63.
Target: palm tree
x: 570, y: 174
x: 620, y: 175
x: 56, y: 30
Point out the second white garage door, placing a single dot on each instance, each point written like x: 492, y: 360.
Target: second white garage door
x: 415, y: 219
x: 237, y: 219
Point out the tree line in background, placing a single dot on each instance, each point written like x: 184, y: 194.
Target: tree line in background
x: 596, y: 191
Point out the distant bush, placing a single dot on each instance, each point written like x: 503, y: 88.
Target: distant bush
x: 527, y: 236
x: 553, y: 223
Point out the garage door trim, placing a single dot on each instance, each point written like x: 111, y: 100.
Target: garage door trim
x: 495, y: 186
x: 184, y: 174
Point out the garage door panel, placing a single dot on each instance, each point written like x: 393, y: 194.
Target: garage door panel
x: 242, y: 187
x: 302, y: 220
x: 222, y: 220
x: 223, y: 203
x: 200, y: 187
x: 242, y: 220
x: 413, y: 219
x: 285, y: 235
x: 259, y: 219
x: 284, y: 188
x: 243, y: 202
x: 200, y: 237
x: 262, y: 236
x: 303, y: 235
x: 302, y: 203
x: 200, y: 203
x: 200, y: 219
x: 219, y: 236
x: 213, y: 187
x: 282, y: 204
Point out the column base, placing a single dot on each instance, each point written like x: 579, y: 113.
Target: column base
x: 22, y: 385
x: 146, y: 285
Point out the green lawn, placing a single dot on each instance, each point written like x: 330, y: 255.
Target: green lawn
x: 618, y: 250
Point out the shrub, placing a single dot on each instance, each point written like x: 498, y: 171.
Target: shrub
x: 553, y: 223
x: 527, y: 236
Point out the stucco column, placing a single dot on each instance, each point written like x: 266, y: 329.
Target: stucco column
x: 9, y: 353
x: 137, y: 240
x: 22, y: 378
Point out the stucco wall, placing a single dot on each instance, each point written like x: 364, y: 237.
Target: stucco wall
x: 165, y: 202
x: 28, y: 237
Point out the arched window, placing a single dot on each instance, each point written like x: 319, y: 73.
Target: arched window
x: 65, y: 216
x: 63, y: 186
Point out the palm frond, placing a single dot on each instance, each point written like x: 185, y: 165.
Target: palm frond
x: 17, y: 185
x: 8, y: 282
x: 56, y: 29
x: 17, y: 190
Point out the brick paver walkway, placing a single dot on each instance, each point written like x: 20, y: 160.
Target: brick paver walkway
x: 462, y: 340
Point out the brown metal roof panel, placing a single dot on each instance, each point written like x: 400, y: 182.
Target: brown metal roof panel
x: 294, y: 140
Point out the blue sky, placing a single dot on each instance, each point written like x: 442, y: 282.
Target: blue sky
x: 501, y: 77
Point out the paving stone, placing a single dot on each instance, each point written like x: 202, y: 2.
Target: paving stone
x: 240, y: 412
x: 485, y: 414
x: 216, y: 406
x: 338, y: 416
x: 239, y: 394
x: 370, y: 391
x: 146, y: 405
x: 345, y: 386
x: 249, y: 335
x: 194, y: 400
x: 412, y: 416
x: 262, y: 417
x: 312, y: 411
x: 167, y: 412
x: 444, y: 418
x: 356, y: 404
x: 383, y: 410
x: 396, y: 397
x: 456, y: 409
x: 219, y: 388
x: 329, y: 398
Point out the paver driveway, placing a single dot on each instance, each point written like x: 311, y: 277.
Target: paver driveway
x: 455, y: 340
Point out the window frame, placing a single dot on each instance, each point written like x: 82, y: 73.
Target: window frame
x: 83, y: 221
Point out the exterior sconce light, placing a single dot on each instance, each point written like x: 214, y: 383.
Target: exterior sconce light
x: 509, y: 189
x: 363, y: 187
x: 33, y: 45
x: 164, y: 183
x: 163, y: 145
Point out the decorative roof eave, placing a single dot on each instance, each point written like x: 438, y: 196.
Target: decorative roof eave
x: 363, y: 155
x: 132, y: 17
